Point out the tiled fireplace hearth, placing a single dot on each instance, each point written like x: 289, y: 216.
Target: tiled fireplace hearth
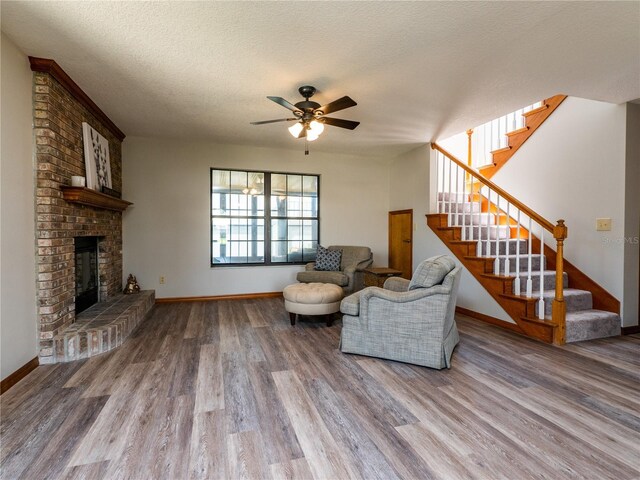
x: 60, y: 107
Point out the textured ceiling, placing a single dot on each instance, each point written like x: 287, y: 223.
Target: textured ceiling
x: 418, y: 70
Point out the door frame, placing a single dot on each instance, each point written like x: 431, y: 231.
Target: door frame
x: 399, y: 212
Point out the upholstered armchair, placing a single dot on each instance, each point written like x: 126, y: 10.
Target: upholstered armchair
x: 408, y: 321
x: 350, y: 276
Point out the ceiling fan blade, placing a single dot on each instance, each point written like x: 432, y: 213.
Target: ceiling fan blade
x: 338, y: 122
x: 340, y: 104
x: 285, y: 104
x: 274, y: 121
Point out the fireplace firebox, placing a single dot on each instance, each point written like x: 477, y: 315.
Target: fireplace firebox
x: 86, y: 270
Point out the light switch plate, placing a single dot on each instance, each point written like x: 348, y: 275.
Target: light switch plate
x: 603, y: 224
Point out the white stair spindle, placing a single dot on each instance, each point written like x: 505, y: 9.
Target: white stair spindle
x: 520, y: 118
x: 487, y: 235
x: 541, y: 301
x: 516, y: 282
x: 464, y: 206
x: 496, y: 264
x: 529, y: 280
x: 507, y: 263
x: 471, y: 212
x: 487, y: 144
x: 479, y: 247
x: 438, y: 182
x: 494, y: 135
x: 450, y: 209
x: 456, y: 218
x: 491, y: 136
x: 441, y: 194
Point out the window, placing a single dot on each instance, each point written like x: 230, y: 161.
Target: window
x: 263, y: 218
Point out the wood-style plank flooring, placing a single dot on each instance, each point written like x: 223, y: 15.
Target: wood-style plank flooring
x: 228, y: 389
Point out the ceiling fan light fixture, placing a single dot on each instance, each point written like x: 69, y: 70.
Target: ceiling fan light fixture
x: 295, y: 129
x: 310, y: 115
x: 316, y: 127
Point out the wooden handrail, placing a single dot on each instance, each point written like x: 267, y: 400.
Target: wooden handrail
x: 558, y: 310
x: 546, y: 224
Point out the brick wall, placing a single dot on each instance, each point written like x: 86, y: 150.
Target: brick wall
x: 58, y: 118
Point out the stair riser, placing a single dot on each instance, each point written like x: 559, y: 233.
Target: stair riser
x: 513, y: 246
x: 524, y: 264
x: 478, y: 219
x: 573, y: 303
x: 454, y: 197
x: 491, y: 233
x: 549, y: 283
x: 595, y: 325
x: 461, y: 207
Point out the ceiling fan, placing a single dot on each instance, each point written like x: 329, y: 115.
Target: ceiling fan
x: 310, y: 116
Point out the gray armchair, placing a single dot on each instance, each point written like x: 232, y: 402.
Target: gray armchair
x: 408, y: 321
x: 350, y: 277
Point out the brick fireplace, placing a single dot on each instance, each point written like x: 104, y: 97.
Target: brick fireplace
x: 60, y: 107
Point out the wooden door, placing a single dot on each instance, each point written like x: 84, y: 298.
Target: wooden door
x: 401, y: 242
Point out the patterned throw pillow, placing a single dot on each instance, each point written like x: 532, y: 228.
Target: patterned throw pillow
x: 328, y: 260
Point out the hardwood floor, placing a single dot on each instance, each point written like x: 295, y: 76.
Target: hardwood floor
x: 230, y: 390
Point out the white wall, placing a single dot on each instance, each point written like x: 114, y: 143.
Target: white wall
x: 573, y: 168
x: 166, y: 231
x: 632, y: 217
x: 18, y: 323
x: 410, y: 187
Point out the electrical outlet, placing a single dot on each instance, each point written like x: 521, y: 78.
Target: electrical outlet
x: 603, y: 224
x: 161, y: 279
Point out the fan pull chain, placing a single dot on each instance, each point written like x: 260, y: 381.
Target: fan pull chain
x: 306, y: 146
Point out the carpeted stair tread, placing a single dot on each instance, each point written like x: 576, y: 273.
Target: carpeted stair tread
x: 575, y: 300
x: 590, y: 324
x: 493, y: 237
x: 549, y: 277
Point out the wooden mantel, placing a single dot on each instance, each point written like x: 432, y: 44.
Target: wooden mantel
x: 93, y: 198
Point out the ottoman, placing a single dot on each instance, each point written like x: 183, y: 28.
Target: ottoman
x: 312, y: 299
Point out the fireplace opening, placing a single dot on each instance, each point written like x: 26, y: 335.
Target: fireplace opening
x: 86, y: 265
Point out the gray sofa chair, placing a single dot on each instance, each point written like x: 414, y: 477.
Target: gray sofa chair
x: 350, y: 277
x: 408, y: 321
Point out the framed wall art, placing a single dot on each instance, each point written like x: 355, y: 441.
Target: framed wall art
x: 96, y: 158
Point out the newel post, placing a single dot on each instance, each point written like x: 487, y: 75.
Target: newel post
x: 559, y: 308
x: 469, y: 150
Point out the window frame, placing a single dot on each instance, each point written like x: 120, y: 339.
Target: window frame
x: 267, y: 217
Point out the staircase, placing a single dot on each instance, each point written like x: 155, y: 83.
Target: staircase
x: 505, y: 135
x: 492, y: 234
